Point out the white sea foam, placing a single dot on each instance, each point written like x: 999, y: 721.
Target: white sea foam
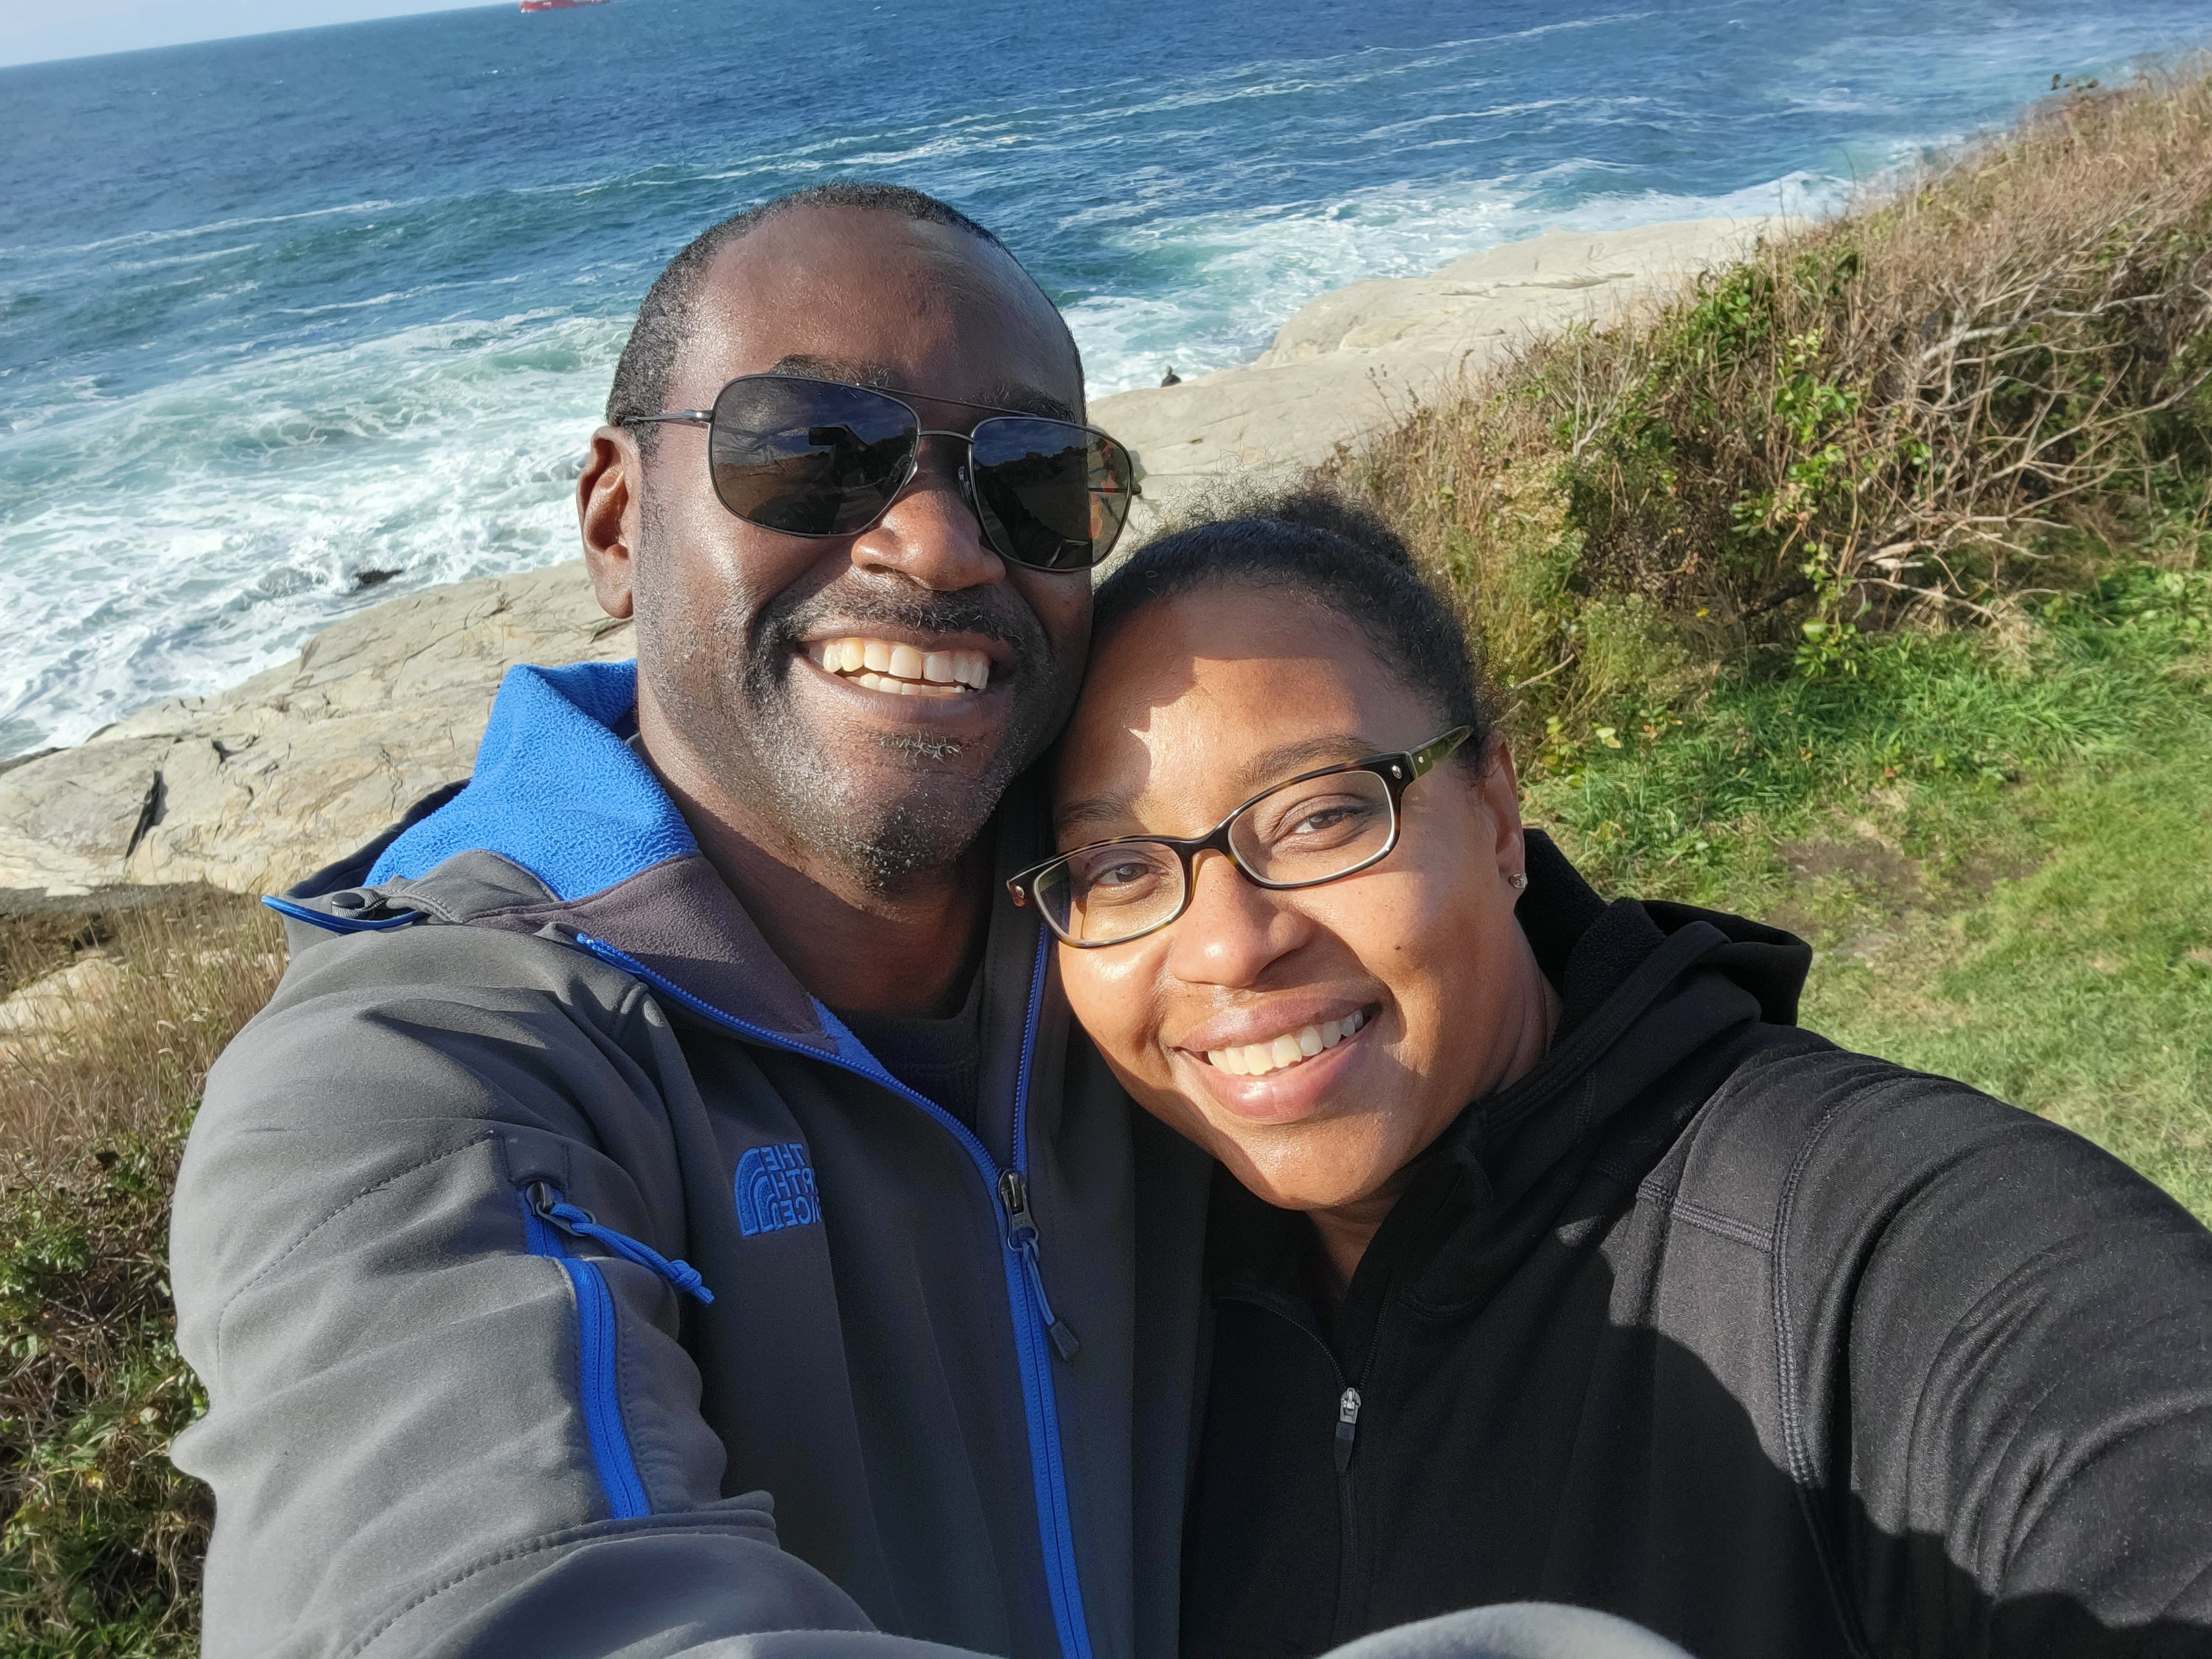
x: 182, y: 537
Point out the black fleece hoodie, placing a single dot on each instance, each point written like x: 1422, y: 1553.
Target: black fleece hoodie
x: 1776, y: 1349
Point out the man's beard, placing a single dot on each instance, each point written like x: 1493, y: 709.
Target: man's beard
x: 883, y: 837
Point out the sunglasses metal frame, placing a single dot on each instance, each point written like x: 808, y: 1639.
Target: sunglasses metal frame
x: 1397, y: 772
x: 705, y: 417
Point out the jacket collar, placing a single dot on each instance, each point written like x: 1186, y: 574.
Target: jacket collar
x: 563, y: 830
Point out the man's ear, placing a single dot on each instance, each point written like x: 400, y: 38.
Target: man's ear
x: 1500, y: 793
x: 609, y: 492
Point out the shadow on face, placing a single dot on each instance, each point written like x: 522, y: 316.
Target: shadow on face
x: 1194, y: 705
x: 739, y: 695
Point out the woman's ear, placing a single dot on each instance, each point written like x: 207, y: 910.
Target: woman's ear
x: 607, y: 496
x: 1499, y: 791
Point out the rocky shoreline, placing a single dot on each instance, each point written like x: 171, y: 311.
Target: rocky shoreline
x: 250, y: 788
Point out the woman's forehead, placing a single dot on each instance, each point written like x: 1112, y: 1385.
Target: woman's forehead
x: 1192, y: 699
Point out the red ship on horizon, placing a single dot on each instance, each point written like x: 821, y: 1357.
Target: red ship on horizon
x: 558, y: 5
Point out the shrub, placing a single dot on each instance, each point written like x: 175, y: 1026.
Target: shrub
x: 1914, y: 414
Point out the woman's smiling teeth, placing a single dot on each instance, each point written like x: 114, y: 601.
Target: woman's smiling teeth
x: 1258, y: 1058
x: 902, y: 670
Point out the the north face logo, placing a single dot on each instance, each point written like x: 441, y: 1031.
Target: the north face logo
x: 776, y: 1189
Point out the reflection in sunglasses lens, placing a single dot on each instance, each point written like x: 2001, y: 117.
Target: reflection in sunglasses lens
x: 807, y: 458
x: 1050, y: 494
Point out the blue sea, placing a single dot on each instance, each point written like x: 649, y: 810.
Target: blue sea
x: 280, y: 313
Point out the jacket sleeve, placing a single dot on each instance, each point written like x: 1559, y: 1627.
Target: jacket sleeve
x: 434, y: 1427
x: 2007, y: 1392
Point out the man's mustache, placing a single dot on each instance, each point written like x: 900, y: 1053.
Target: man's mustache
x: 992, y: 613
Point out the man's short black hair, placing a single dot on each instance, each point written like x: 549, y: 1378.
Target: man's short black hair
x: 656, y: 339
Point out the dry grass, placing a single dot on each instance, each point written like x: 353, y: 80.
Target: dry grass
x: 188, y: 968
x: 1908, y: 415
x: 102, y: 1537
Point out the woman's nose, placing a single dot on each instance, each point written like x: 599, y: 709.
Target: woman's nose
x: 1232, y: 930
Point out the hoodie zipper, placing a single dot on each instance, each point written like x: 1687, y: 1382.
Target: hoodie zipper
x: 1351, y: 1413
x: 1038, y: 1331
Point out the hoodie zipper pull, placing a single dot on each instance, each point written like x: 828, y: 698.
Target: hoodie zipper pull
x: 1022, y: 1234
x: 551, y: 1207
x: 1347, y: 1428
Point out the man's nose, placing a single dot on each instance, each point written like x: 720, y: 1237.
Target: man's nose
x: 1232, y: 930
x: 930, y: 535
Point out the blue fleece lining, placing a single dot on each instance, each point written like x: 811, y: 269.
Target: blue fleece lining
x: 555, y: 791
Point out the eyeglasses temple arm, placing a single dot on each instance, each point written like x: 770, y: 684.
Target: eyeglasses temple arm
x: 1430, y: 754
x: 680, y: 416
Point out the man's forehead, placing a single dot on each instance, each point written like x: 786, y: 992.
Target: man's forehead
x: 1012, y: 395
x: 878, y: 299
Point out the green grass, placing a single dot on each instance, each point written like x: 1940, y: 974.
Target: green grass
x: 2002, y: 846
x: 2082, y: 991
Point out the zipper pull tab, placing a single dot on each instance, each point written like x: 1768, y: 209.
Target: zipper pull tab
x: 1347, y: 1428
x: 551, y: 1207
x: 1022, y: 1234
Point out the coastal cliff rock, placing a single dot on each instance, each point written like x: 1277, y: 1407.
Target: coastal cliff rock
x: 254, y: 787
x: 1361, y: 357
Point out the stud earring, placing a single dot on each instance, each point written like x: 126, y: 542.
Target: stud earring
x: 1516, y: 881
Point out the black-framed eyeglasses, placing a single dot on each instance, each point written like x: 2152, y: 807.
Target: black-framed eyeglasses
x: 1320, y: 826
x: 809, y: 457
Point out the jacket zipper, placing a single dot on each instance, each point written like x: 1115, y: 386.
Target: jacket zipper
x: 1037, y: 1330
x: 596, y: 1353
x: 577, y: 1223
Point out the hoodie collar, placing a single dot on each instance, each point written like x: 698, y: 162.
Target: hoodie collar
x: 1649, y: 992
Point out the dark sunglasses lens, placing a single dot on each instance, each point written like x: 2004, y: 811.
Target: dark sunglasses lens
x: 1051, y: 496
x: 806, y: 457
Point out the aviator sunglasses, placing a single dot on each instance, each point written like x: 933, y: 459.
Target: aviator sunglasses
x: 809, y: 457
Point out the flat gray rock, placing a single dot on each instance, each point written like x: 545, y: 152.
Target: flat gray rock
x: 1361, y: 358
x: 254, y: 787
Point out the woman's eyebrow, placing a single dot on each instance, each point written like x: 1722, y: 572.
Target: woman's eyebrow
x: 1276, y: 765
x: 1092, y: 808
x: 1285, y: 761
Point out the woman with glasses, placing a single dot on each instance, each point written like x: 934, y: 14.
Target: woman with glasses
x: 1548, y: 1259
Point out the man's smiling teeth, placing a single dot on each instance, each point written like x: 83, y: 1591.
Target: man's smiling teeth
x: 900, y: 669
x: 1258, y: 1058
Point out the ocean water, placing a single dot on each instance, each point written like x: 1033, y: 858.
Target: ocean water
x: 292, y: 324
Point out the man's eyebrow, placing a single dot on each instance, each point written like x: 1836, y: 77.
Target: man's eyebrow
x: 1277, y: 765
x: 1006, y: 394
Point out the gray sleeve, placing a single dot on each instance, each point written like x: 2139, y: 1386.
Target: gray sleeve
x: 398, y: 1437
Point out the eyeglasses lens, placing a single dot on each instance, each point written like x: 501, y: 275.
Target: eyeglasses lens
x: 1109, y: 893
x: 1317, y: 830
x: 807, y: 457
x: 1051, y: 496
x: 1299, y: 835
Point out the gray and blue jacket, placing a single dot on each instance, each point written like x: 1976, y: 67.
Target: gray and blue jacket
x: 566, y: 1280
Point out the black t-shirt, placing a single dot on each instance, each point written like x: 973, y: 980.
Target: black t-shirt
x: 941, y: 1060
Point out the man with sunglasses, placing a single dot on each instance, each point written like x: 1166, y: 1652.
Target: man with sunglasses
x: 669, y: 1121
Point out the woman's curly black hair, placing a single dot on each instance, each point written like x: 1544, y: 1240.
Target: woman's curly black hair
x: 1320, y: 546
